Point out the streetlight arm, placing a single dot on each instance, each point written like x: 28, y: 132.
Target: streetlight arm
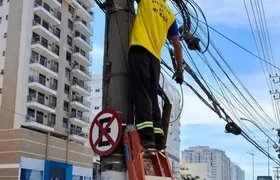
x: 244, y: 119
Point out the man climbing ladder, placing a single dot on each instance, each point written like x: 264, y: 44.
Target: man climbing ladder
x: 153, y: 23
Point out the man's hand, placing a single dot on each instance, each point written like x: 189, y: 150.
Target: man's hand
x: 178, y: 77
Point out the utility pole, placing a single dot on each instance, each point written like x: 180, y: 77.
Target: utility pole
x: 253, y: 163
x: 116, y: 93
x: 268, y: 166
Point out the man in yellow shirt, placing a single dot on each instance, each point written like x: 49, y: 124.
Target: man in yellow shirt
x: 154, y: 22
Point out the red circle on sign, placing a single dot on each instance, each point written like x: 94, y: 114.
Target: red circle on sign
x: 95, y: 122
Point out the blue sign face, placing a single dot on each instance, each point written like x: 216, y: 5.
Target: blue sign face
x: 264, y: 178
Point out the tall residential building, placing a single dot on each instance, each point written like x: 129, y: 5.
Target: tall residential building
x: 220, y: 163
x: 236, y: 172
x: 173, y: 139
x: 44, y: 76
x: 96, y: 94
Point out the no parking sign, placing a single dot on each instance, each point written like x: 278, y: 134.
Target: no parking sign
x: 105, y: 132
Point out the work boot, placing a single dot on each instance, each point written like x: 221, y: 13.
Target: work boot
x: 146, y: 144
x: 160, y: 145
x: 147, y: 138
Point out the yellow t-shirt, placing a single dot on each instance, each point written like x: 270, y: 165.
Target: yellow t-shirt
x: 151, y: 25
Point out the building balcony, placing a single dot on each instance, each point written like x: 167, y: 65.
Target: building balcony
x: 81, y: 11
x: 54, y: 3
x: 81, y: 58
x: 78, y: 120
x: 42, y: 85
x: 80, y: 104
x: 52, y: 17
x: 77, y: 135
x: 48, y: 32
x: 81, y: 26
x: 42, y: 66
x: 42, y: 46
x: 81, y: 73
x: 83, y: 43
x: 40, y: 103
x: 40, y: 123
x: 80, y: 88
x: 88, y: 3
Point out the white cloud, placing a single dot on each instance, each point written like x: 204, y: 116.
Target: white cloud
x: 196, y: 112
x: 232, y: 13
x: 97, y: 50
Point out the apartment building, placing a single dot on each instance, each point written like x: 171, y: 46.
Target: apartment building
x: 44, y: 76
x: 220, y: 163
x: 236, y: 172
x: 96, y: 94
x: 173, y: 138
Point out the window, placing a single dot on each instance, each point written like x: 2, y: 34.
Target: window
x: 5, y: 35
x: 1, y: 2
x: 69, y: 40
x: 97, y: 90
x: 96, y: 107
x: 68, y: 56
x: 66, y: 89
x: 80, y: 114
x: 52, y: 119
x: 47, y: 7
x: 65, y: 123
x: 66, y: 106
x: 54, y: 84
x: 70, y: 24
x: 71, y: 9
x: 7, y: 17
x: 54, y: 66
x: 0, y: 20
x: 3, y: 54
x: 29, y: 174
x: 67, y: 73
x: 77, y: 177
x: 40, y: 117
x: 76, y: 49
x: 30, y: 112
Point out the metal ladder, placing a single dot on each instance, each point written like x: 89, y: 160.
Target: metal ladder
x: 144, y: 164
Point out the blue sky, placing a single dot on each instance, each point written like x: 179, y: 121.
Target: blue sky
x: 199, y: 124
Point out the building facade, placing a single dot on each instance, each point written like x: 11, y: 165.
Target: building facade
x: 236, y: 172
x: 96, y: 94
x: 201, y: 170
x: 44, y: 78
x: 220, y: 163
x: 173, y: 138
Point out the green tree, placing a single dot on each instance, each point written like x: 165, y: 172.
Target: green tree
x: 189, y: 177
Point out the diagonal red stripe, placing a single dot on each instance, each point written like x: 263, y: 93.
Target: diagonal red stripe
x: 104, y: 132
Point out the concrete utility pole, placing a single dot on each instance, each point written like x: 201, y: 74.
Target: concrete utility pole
x: 268, y: 166
x: 119, y: 21
x: 253, y: 164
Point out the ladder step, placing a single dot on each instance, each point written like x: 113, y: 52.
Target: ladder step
x: 157, y: 178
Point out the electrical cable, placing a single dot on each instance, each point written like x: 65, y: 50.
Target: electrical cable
x: 224, y: 36
x: 235, y: 77
x: 276, y: 113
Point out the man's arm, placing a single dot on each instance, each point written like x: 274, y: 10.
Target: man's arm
x: 173, y: 34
